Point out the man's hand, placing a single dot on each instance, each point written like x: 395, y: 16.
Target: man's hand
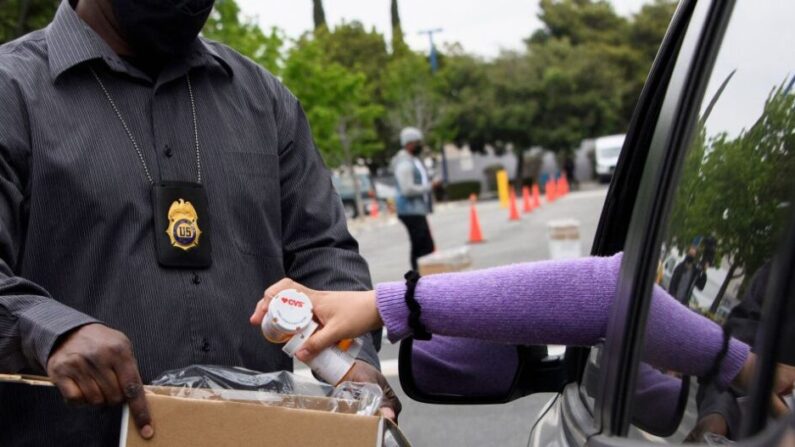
x: 95, y: 365
x: 364, y: 372
x: 711, y: 423
x: 341, y: 315
x: 783, y: 384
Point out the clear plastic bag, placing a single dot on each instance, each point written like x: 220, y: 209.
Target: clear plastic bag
x: 281, y: 389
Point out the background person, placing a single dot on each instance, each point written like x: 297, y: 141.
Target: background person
x: 688, y: 275
x: 414, y: 188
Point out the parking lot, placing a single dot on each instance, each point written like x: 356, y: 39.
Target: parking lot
x: 384, y: 243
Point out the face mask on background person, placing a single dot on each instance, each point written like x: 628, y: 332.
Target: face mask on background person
x: 161, y: 29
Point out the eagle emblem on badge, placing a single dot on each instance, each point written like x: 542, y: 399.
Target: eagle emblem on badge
x: 183, y: 227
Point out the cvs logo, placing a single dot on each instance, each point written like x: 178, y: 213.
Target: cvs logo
x: 292, y: 302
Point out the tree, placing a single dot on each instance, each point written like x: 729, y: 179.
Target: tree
x: 725, y: 177
x: 463, y: 83
x: 579, y: 77
x: 356, y: 48
x: 649, y: 25
x: 337, y: 102
x: 226, y: 25
x: 580, y: 21
x: 409, y: 94
x: 318, y: 14
x: 646, y: 30
x: 18, y: 17
x: 352, y: 46
x: 398, y: 43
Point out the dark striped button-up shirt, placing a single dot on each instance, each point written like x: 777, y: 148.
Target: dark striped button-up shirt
x: 76, y: 233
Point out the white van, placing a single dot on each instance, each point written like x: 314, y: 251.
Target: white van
x: 607, y: 149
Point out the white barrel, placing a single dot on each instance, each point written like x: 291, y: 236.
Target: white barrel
x: 445, y: 261
x: 564, y: 239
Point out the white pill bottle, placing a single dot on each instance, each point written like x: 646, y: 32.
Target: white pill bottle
x: 289, y: 320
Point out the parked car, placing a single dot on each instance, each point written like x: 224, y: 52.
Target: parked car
x: 344, y: 186
x: 710, y: 152
x: 606, y: 153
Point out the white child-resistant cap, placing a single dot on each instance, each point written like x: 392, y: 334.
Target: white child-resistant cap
x: 289, y: 312
x: 409, y: 134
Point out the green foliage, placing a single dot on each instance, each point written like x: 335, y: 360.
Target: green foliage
x: 399, y: 46
x: 357, y: 49
x: 468, y: 100
x: 462, y: 190
x: 18, y: 17
x: 409, y: 95
x: 318, y: 14
x: 581, y: 22
x: 579, y: 78
x: 227, y: 25
x: 336, y: 100
x: 727, y: 176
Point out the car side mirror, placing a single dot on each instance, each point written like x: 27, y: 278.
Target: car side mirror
x: 450, y: 370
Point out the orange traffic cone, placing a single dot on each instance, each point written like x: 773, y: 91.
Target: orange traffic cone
x: 514, y: 210
x: 373, y: 206
x: 566, y: 186
x: 555, y: 195
x: 528, y: 204
x: 536, y: 197
x: 475, y: 235
x: 560, y: 187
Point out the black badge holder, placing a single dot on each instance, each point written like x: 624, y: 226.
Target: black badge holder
x: 181, y: 225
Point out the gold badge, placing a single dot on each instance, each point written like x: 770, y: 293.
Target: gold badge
x: 183, y: 228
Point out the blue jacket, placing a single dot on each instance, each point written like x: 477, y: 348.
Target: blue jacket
x: 413, y: 197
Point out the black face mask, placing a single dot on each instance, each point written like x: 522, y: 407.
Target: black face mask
x: 161, y: 29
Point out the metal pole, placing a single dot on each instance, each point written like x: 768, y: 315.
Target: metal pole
x: 434, y: 61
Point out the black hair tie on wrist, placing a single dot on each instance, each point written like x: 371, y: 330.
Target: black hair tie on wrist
x: 412, y: 278
x: 714, y: 371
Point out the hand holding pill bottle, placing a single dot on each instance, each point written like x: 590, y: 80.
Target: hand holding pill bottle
x: 289, y: 320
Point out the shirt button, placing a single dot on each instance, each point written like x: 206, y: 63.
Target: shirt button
x: 205, y: 345
x: 168, y: 152
x: 196, y: 279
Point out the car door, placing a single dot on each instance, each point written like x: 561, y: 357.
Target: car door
x: 708, y: 178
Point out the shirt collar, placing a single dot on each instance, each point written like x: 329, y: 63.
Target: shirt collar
x: 70, y: 42
x: 206, y: 52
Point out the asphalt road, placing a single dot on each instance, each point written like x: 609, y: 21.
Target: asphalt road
x: 384, y: 243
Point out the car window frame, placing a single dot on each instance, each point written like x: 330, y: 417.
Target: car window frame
x: 779, y: 310
x: 622, y: 193
x: 661, y: 172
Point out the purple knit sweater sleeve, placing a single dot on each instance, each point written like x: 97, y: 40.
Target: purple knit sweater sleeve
x: 556, y: 302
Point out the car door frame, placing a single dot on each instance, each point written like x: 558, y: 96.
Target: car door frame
x: 624, y: 344
x: 611, y: 233
x: 673, y: 130
x: 578, y: 420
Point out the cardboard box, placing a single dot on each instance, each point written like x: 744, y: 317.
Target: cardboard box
x: 243, y: 421
x: 445, y: 261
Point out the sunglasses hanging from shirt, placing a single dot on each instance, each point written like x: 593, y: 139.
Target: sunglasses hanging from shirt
x: 180, y: 209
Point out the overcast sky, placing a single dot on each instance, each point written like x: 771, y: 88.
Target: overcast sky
x: 482, y: 27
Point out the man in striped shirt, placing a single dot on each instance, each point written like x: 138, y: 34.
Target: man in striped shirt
x: 105, y: 281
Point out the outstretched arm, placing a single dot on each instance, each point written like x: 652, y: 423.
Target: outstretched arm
x: 551, y: 302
